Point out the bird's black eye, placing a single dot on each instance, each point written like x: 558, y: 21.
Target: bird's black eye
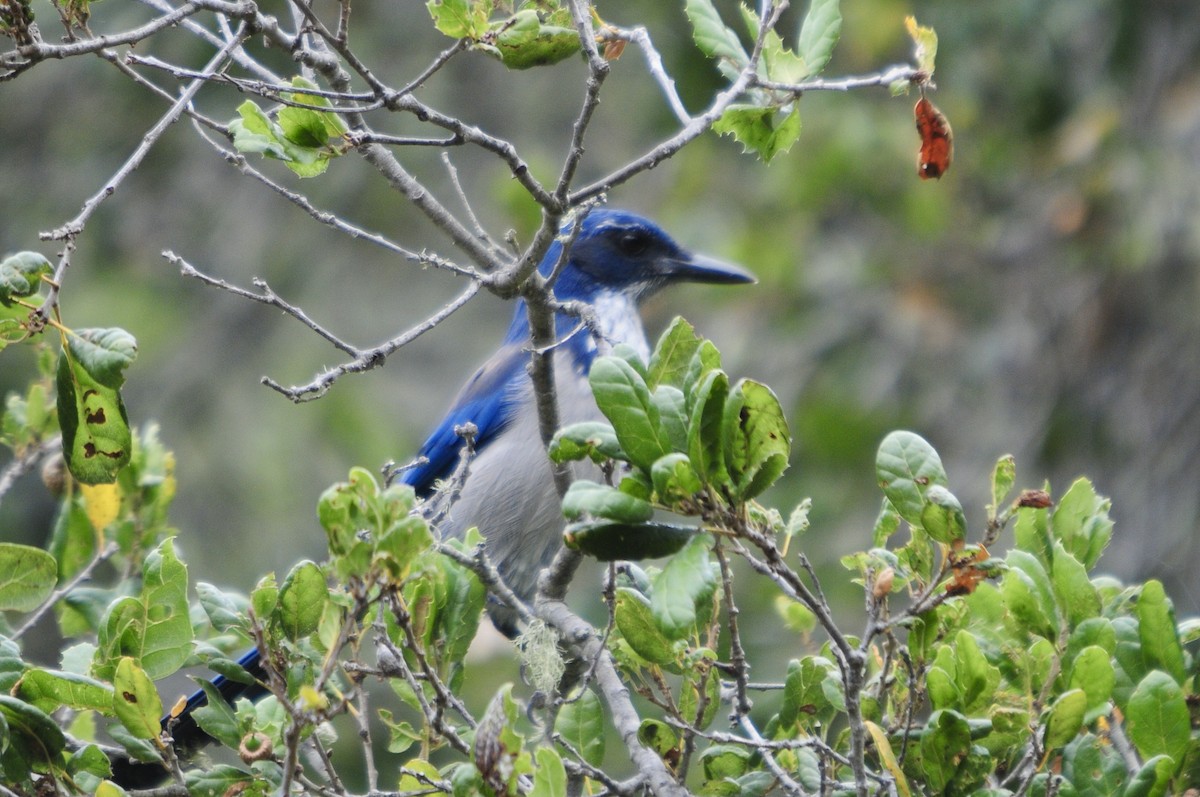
x: 633, y: 243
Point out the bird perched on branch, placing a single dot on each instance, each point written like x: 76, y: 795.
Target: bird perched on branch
x: 615, y: 260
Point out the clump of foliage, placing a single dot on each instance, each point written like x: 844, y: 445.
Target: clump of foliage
x: 973, y: 672
x: 969, y: 672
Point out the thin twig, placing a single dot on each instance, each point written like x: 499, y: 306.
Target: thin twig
x: 892, y: 75
x: 70, y: 231
x: 363, y: 359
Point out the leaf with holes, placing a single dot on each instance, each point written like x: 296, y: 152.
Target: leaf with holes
x: 755, y: 438
x: 135, y: 700
x: 96, y: 437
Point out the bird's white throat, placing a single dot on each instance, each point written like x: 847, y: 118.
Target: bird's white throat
x: 619, y: 321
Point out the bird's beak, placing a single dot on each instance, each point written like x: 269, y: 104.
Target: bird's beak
x: 701, y: 268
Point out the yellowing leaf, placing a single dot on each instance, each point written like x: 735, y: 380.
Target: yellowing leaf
x: 926, y: 43
x: 102, y: 503
x: 884, y: 748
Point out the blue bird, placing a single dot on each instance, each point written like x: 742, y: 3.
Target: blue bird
x: 616, y: 260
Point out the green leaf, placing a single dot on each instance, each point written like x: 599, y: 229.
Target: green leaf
x: 523, y: 41
x: 686, y: 580
x: 672, y: 357
x: 805, y: 699
x: 724, y: 761
x: 138, y: 749
x: 32, y: 734
x: 1156, y: 628
x: 581, y: 723
x: 302, y: 599
x: 401, y: 735
x: 977, y: 677
x: 168, y: 640
x: 222, y: 612
x: 465, y: 599
x: 907, y: 467
x: 418, y: 774
x: 255, y: 133
x: 1093, y: 767
x: 21, y: 274
x: 1157, y: 718
x: 1032, y: 532
x: 550, y: 779
x: 886, y: 524
x: 265, y: 596
x: 73, y: 540
x: 27, y: 577
x: 942, y: 517
x: 714, y: 38
x: 705, y: 446
x: 674, y: 478
x: 402, y: 541
x: 1028, y: 567
x: 135, y: 700
x: 755, y: 437
x: 944, y: 744
x: 594, y: 440
x: 218, y: 780
x: 153, y: 628
x: 1004, y: 475
x: 216, y: 717
x: 1092, y: 671
x: 1075, y: 593
x: 672, y: 414
x: 305, y: 126
x: 91, y: 761
x: 1064, y: 718
x: 760, y: 129
x: 602, y: 501
x: 778, y: 63
x: 635, y: 621
x: 609, y: 542
x: 942, y: 688
x: 622, y: 395
x: 1152, y: 779
x: 1081, y: 522
x: 658, y: 736
x: 460, y: 19
x: 819, y: 34
x: 690, y: 706
x: 50, y: 689
x: 96, y: 435
x: 706, y: 360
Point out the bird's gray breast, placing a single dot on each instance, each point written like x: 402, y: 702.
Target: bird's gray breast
x: 509, y: 493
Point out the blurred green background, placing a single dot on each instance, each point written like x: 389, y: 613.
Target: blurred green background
x: 1041, y: 299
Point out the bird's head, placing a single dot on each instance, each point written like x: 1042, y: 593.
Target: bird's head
x: 622, y: 253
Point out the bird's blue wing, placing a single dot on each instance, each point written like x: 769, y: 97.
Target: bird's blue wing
x: 486, y: 401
